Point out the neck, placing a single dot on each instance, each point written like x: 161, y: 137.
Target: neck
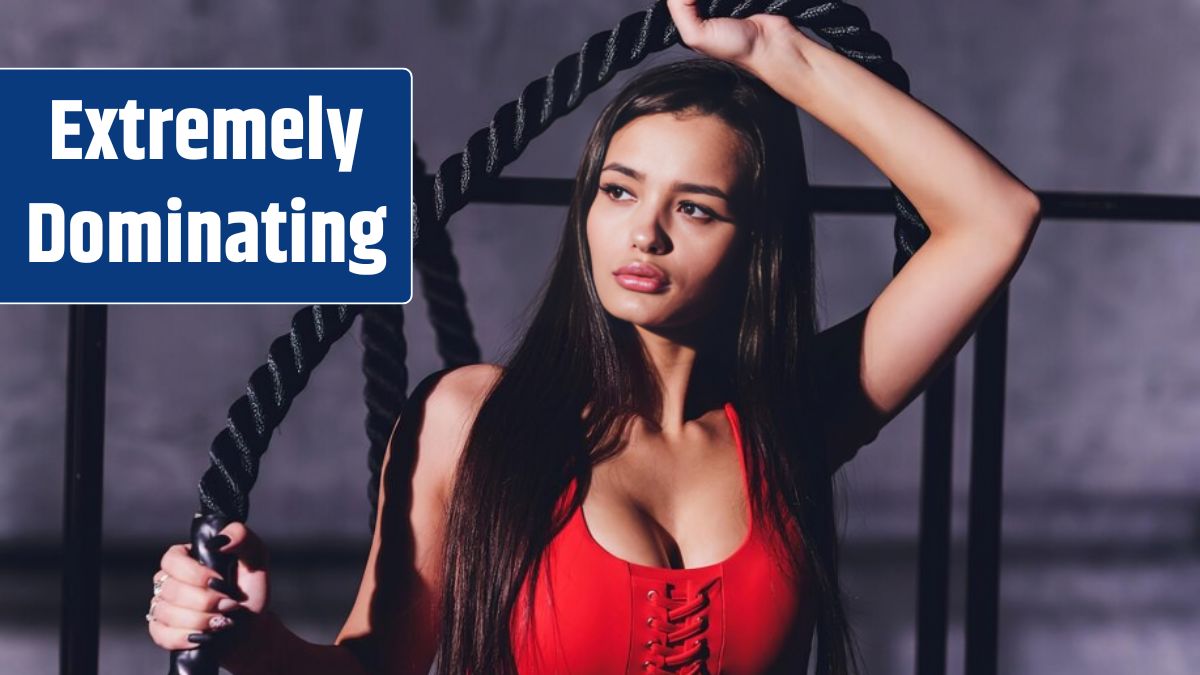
x: 688, y: 378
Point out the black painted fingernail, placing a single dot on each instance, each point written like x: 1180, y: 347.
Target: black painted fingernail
x: 218, y: 541
x: 199, y: 638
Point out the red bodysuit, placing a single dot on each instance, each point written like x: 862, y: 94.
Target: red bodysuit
x: 597, y: 614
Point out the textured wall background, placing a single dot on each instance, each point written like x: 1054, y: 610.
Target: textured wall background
x: 1102, y: 513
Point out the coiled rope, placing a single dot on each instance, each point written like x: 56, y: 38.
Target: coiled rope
x: 236, y: 451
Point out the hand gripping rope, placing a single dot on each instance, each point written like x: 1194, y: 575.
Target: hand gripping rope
x: 291, y: 358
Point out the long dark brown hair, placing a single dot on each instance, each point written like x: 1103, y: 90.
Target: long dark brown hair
x: 577, y: 375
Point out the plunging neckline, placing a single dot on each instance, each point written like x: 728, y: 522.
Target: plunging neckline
x: 735, y: 427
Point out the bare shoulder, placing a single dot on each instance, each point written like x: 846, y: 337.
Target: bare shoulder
x: 455, y: 399
x: 464, y: 387
x: 449, y: 414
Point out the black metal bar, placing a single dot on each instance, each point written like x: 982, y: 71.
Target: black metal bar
x: 83, y: 472
x: 525, y: 191
x: 933, y: 557
x: 987, y: 464
x: 848, y: 199
x: 1120, y: 206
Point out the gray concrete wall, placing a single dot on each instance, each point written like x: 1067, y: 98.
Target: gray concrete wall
x: 1102, y: 551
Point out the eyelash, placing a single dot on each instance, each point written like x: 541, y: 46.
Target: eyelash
x: 609, y: 187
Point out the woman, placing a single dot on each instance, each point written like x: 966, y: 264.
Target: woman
x: 646, y: 485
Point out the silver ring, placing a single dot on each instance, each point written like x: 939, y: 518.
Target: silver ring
x: 150, y: 614
x: 158, y: 584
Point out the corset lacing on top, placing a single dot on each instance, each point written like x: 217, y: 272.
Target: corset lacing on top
x: 678, y: 644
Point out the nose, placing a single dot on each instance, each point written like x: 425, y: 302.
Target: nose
x: 646, y: 235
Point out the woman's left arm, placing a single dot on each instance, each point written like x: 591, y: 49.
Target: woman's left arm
x: 981, y: 218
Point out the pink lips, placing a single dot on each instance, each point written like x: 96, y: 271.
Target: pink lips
x: 641, y: 277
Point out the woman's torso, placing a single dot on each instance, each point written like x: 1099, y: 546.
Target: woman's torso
x: 597, y: 613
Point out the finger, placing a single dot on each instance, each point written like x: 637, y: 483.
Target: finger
x: 245, y: 544
x: 189, y: 619
x: 195, y: 597
x: 687, y: 19
x: 181, y: 567
x: 171, y: 638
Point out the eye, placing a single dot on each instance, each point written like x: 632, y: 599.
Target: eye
x: 611, y: 188
x: 706, y: 211
x: 701, y: 213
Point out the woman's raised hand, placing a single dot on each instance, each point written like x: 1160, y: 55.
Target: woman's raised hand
x: 743, y: 42
x: 191, y: 602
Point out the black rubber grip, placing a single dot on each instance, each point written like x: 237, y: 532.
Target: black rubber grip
x: 203, y: 659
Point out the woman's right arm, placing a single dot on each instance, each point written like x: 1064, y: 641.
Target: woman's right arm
x: 394, y: 625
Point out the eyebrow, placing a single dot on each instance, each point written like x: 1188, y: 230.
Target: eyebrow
x: 682, y: 187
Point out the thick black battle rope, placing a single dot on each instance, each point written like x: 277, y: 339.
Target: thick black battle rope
x: 385, y: 349
x: 434, y: 259
x: 384, y: 354
x: 235, y: 452
x: 291, y: 358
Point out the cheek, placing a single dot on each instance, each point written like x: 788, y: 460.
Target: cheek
x: 594, y: 225
x: 594, y: 244
x: 712, y: 281
x: 716, y: 265
x: 600, y: 249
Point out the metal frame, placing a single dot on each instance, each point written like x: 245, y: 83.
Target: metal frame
x: 83, y: 469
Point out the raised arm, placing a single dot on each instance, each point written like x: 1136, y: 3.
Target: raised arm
x: 981, y: 218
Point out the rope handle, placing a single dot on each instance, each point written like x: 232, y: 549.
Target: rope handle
x: 202, y: 661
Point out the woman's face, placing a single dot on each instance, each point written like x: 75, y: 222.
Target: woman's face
x: 664, y: 202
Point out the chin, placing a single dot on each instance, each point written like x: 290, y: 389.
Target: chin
x: 640, y: 316
x: 634, y: 317
x: 647, y: 318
